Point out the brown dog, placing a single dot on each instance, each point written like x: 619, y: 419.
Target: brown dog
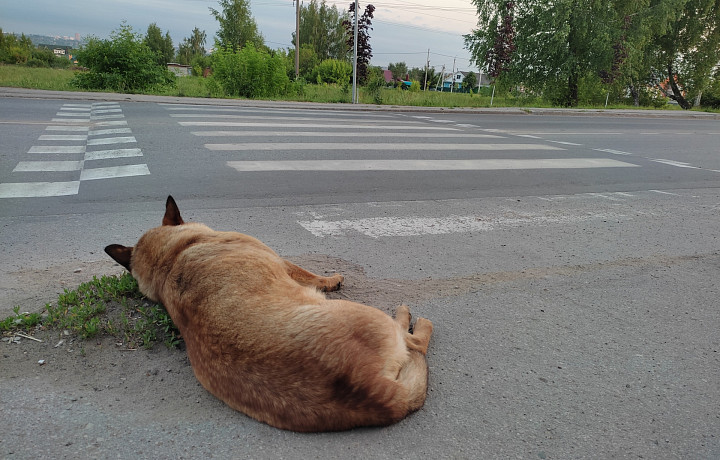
x: 261, y: 337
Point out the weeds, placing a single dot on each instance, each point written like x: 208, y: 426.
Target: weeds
x: 20, y: 321
x: 110, y: 305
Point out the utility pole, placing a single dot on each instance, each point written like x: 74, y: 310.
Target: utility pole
x: 355, y: 48
x: 452, y: 78
x: 427, y: 68
x: 297, y: 39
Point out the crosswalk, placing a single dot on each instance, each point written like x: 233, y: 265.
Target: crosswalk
x: 349, y: 135
x: 83, y: 142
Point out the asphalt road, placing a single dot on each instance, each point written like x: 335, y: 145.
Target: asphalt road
x: 568, y: 262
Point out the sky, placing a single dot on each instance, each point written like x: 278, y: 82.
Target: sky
x: 402, y: 31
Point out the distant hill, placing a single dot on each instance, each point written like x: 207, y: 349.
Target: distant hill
x: 51, y: 40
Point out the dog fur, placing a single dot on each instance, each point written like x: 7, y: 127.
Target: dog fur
x: 262, y: 337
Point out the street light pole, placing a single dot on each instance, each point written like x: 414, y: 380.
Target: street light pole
x: 297, y: 39
x: 355, y: 90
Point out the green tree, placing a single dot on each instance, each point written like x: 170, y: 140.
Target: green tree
x: 163, y: 46
x: 689, y: 49
x: 14, y: 49
x: 399, y: 70
x: 554, y: 44
x: 321, y: 27
x: 122, y: 63
x: 308, y: 62
x: 237, y: 26
x: 364, y: 50
x: 470, y: 81
x: 192, y: 47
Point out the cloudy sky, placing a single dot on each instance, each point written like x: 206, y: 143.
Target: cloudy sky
x: 402, y: 31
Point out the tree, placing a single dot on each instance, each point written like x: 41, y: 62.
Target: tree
x: 14, y: 49
x: 237, y: 26
x: 163, y: 46
x: 689, y: 50
x: 364, y: 50
x: 123, y: 63
x: 470, y: 81
x: 546, y: 46
x: 321, y: 28
x: 399, y: 70
x: 499, y: 56
x: 192, y: 47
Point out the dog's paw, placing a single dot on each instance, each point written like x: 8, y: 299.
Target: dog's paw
x: 333, y: 283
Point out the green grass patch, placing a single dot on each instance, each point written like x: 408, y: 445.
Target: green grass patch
x: 36, y: 78
x: 20, y: 321
x: 110, y: 305
x: 60, y: 80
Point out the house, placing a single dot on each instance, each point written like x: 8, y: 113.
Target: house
x: 179, y: 70
x: 459, y: 76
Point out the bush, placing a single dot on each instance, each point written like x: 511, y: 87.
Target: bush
x: 334, y: 71
x: 249, y: 72
x: 123, y: 63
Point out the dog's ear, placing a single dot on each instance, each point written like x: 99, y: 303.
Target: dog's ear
x: 121, y: 254
x: 172, y: 213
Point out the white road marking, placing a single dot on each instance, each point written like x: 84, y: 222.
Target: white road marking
x: 25, y: 166
x: 57, y: 149
x: 458, y: 135
x: 377, y: 227
x: 70, y: 114
x: 70, y: 120
x: 68, y: 128
x: 310, y: 125
x: 114, y: 171
x: 112, y: 123
x: 348, y: 146
x: 226, y: 108
x: 678, y: 164
x: 39, y: 189
x: 614, y: 152
x: 112, y: 140
x: 565, y: 143
x: 106, y: 117
x: 114, y: 153
x: 271, y: 118
x: 103, y: 132
x: 664, y: 192
x: 426, y: 165
x: 63, y: 137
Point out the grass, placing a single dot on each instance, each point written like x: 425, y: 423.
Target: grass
x: 110, y: 305
x: 59, y: 80
x: 36, y: 78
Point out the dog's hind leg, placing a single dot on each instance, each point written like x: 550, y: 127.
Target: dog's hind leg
x: 422, y: 330
x: 306, y: 278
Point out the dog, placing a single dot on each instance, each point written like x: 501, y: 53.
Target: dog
x: 263, y: 338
